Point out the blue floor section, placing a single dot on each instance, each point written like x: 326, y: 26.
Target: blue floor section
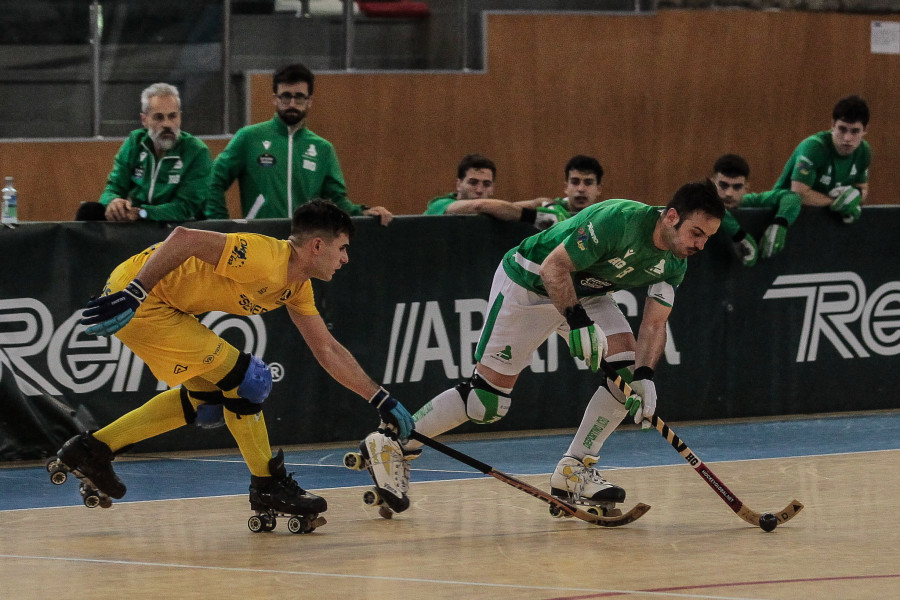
x: 162, y: 479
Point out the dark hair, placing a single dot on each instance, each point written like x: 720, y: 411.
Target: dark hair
x: 585, y: 164
x: 321, y: 216
x: 291, y: 74
x: 851, y: 109
x: 697, y: 196
x: 474, y: 161
x: 732, y: 165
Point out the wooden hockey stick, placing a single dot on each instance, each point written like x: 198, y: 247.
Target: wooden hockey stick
x: 564, y: 507
x: 744, y: 512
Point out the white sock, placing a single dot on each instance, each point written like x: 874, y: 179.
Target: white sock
x: 601, y: 417
x: 443, y: 413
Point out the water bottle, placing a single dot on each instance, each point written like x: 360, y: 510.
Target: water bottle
x: 10, y: 214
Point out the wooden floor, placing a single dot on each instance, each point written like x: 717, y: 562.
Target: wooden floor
x: 483, y: 539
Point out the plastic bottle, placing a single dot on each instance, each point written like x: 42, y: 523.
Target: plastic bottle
x: 10, y: 214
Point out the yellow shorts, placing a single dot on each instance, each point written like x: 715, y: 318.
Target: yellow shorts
x: 174, y: 344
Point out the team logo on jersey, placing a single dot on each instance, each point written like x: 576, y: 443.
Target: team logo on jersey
x: 285, y: 295
x: 853, y: 171
x: 238, y: 254
x: 174, y: 179
x: 629, y: 252
x: 266, y: 144
x: 593, y: 234
x: 262, y: 291
x: 309, y: 165
x: 581, y: 239
x: 265, y: 160
x: 804, y: 165
x: 658, y: 269
x: 138, y: 174
x: 178, y: 165
x: 180, y: 369
x: 594, y: 283
x: 143, y: 156
x: 311, y: 151
x: 505, y: 354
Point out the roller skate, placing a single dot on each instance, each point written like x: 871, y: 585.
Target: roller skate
x: 90, y: 460
x: 280, y: 496
x: 388, y: 464
x: 578, y: 482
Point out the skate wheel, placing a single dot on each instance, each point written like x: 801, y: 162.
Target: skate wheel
x: 300, y: 525
x: 92, y: 500
x: 593, y: 510
x: 555, y: 511
x: 52, y: 464
x: 105, y: 502
x: 372, y: 497
x: 58, y: 477
x: 255, y: 524
x: 354, y: 461
x: 385, y: 512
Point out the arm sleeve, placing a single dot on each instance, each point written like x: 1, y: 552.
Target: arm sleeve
x: 119, y: 181
x: 191, y: 196
x: 730, y: 225
x: 225, y: 169
x: 334, y: 188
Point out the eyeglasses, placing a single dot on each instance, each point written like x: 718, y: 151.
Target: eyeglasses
x: 298, y: 98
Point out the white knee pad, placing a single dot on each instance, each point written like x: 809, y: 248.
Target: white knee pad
x: 484, y: 403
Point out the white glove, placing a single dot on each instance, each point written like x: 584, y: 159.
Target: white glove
x: 642, y: 402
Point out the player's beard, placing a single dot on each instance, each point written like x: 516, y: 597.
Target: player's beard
x: 291, y: 116
x: 165, y: 138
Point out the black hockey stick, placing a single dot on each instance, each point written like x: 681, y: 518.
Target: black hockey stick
x: 744, y: 512
x: 564, y: 507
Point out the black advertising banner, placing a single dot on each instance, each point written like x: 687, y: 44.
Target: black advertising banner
x: 814, y: 329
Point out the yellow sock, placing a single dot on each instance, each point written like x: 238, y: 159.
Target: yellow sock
x: 160, y: 414
x: 252, y: 438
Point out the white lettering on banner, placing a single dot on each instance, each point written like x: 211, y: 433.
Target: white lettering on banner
x: 833, y: 302
x: 84, y: 363
x: 431, y: 343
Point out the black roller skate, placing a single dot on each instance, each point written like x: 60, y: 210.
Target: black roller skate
x: 578, y: 482
x: 388, y: 464
x: 90, y: 460
x: 280, y: 496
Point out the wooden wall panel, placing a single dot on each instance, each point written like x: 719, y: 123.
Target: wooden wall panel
x: 656, y: 98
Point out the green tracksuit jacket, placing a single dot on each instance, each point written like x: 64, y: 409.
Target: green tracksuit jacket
x: 276, y: 172
x: 171, y: 188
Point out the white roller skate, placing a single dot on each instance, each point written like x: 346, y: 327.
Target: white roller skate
x: 280, y: 496
x: 577, y: 481
x: 90, y: 460
x: 381, y: 454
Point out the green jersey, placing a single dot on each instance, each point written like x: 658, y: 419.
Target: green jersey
x: 816, y: 163
x: 611, y: 245
x: 277, y: 172
x: 438, y: 206
x: 172, y: 187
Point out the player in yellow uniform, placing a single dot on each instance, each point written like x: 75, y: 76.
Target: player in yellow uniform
x: 149, y: 303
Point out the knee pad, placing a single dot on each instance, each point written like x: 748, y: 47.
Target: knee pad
x: 257, y: 383
x: 484, y: 403
x: 208, y: 415
x: 623, y: 364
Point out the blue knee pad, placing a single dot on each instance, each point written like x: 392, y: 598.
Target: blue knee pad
x: 210, y: 416
x: 257, y: 383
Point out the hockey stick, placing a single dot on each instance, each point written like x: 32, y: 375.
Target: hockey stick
x: 563, y: 506
x: 744, y: 512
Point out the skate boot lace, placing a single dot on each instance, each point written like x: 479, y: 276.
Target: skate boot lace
x: 585, y: 475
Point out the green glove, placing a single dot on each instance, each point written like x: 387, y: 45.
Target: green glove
x: 773, y: 238
x: 586, y: 340
x: 846, y: 198
x: 745, y: 247
x: 852, y: 215
x: 547, y: 216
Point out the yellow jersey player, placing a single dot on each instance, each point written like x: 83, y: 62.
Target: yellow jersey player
x: 149, y: 303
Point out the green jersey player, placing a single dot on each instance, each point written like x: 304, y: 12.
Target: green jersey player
x: 561, y: 281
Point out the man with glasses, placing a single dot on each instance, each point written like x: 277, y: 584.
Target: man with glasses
x: 160, y: 173
x: 280, y: 164
x: 730, y: 175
